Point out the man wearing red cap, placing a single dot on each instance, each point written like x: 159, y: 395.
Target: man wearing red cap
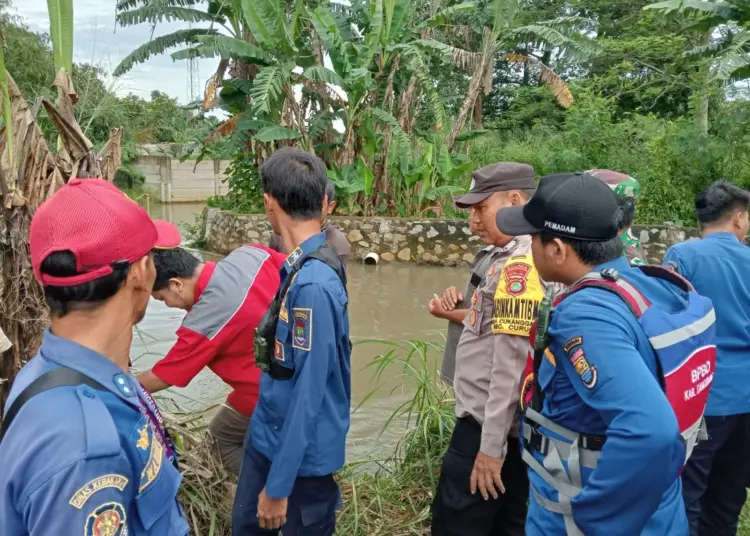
x: 83, y: 448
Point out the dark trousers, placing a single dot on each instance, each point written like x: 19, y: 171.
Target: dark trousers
x: 312, y: 505
x: 716, y: 475
x: 456, y: 512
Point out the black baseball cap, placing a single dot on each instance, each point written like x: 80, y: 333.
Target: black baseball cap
x: 499, y: 177
x: 571, y: 205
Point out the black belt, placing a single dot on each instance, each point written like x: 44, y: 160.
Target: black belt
x: 540, y: 443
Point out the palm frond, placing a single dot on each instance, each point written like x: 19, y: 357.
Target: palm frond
x: 722, y: 9
x: 548, y: 77
x: 268, y: 87
x: 446, y: 16
x: 328, y: 31
x: 381, y: 116
x: 318, y: 74
x: 276, y: 133
x: 265, y: 18
x: 130, y: 4
x: 158, y: 46
x: 226, y: 47
x: 319, y: 123
x: 577, y: 47
x: 153, y: 13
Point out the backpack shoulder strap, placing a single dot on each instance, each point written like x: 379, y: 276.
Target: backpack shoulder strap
x: 668, y: 273
x: 326, y: 254
x: 611, y: 281
x: 58, y: 377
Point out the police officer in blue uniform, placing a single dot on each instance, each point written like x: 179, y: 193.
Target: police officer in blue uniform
x: 603, y: 439
x: 297, y: 435
x: 716, y: 476
x: 83, y: 449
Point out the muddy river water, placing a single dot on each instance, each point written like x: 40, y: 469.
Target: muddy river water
x: 385, y: 302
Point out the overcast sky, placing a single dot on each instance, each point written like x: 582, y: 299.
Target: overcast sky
x: 97, y: 41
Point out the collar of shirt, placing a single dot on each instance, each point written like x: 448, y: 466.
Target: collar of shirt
x: 721, y: 235
x: 204, y: 278
x: 620, y: 264
x: 66, y: 353
x: 302, y: 251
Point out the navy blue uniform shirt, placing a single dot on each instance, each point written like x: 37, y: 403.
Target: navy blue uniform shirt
x: 300, y: 424
x: 81, y: 461
x: 635, y: 488
x: 717, y: 266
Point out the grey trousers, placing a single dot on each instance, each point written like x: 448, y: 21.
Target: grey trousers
x: 228, y: 429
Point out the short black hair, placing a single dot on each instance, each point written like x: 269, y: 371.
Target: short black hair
x: 171, y: 263
x: 297, y: 181
x: 86, y: 296
x: 717, y: 201
x: 627, y: 207
x: 591, y: 253
x: 331, y: 191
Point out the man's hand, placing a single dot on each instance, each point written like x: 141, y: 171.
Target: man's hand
x: 436, y: 307
x: 486, y: 476
x: 271, y: 512
x: 451, y: 297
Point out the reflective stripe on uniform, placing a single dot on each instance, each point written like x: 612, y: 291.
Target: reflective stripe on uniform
x: 684, y: 333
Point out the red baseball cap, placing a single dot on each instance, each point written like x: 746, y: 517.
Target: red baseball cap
x: 100, y: 225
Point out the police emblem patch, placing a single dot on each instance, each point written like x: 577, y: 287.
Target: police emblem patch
x: 302, y: 336
x: 491, y: 272
x: 278, y: 351
x: 527, y: 384
x: 80, y: 497
x: 585, y: 371
x: 516, y: 274
x: 107, y: 520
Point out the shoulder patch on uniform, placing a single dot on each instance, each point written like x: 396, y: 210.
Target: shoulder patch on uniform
x: 572, y: 343
x: 153, y: 464
x: 517, y: 297
x: 294, y: 256
x: 302, y: 336
x: 80, y: 497
x: 585, y: 371
x: 109, y: 519
x: 278, y: 351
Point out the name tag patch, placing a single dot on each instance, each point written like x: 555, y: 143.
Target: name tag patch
x: 302, y: 336
x: 153, y: 464
x: 80, y: 497
x: 107, y: 520
x: 517, y: 298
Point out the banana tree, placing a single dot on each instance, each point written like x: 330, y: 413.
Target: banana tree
x: 726, y: 54
x: 499, y: 33
x: 30, y: 173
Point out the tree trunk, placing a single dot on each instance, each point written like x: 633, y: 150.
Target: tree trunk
x: 477, y: 113
x: 404, y: 110
x: 474, y: 92
x: 382, y: 185
x: 704, y: 91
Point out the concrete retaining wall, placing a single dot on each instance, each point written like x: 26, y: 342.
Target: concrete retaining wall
x: 182, y: 181
x: 438, y: 242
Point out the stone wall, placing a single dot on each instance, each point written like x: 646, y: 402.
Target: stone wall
x: 438, y: 242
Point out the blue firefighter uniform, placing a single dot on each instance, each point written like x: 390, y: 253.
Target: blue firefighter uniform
x: 600, y: 376
x: 85, y: 461
x: 297, y: 436
x: 718, y: 472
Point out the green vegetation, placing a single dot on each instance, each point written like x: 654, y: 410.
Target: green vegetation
x: 416, y: 94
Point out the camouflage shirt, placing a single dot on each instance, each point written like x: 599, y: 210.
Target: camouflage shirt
x: 632, y: 249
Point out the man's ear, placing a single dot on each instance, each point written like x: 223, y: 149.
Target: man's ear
x: 515, y: 199
x: 176, y: 284
x: 560, y: 251
x: 138, y: 275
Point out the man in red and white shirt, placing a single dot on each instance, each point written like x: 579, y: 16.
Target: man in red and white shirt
x: 225, y: 302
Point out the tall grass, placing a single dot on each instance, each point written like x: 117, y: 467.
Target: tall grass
x: 391, y: 495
